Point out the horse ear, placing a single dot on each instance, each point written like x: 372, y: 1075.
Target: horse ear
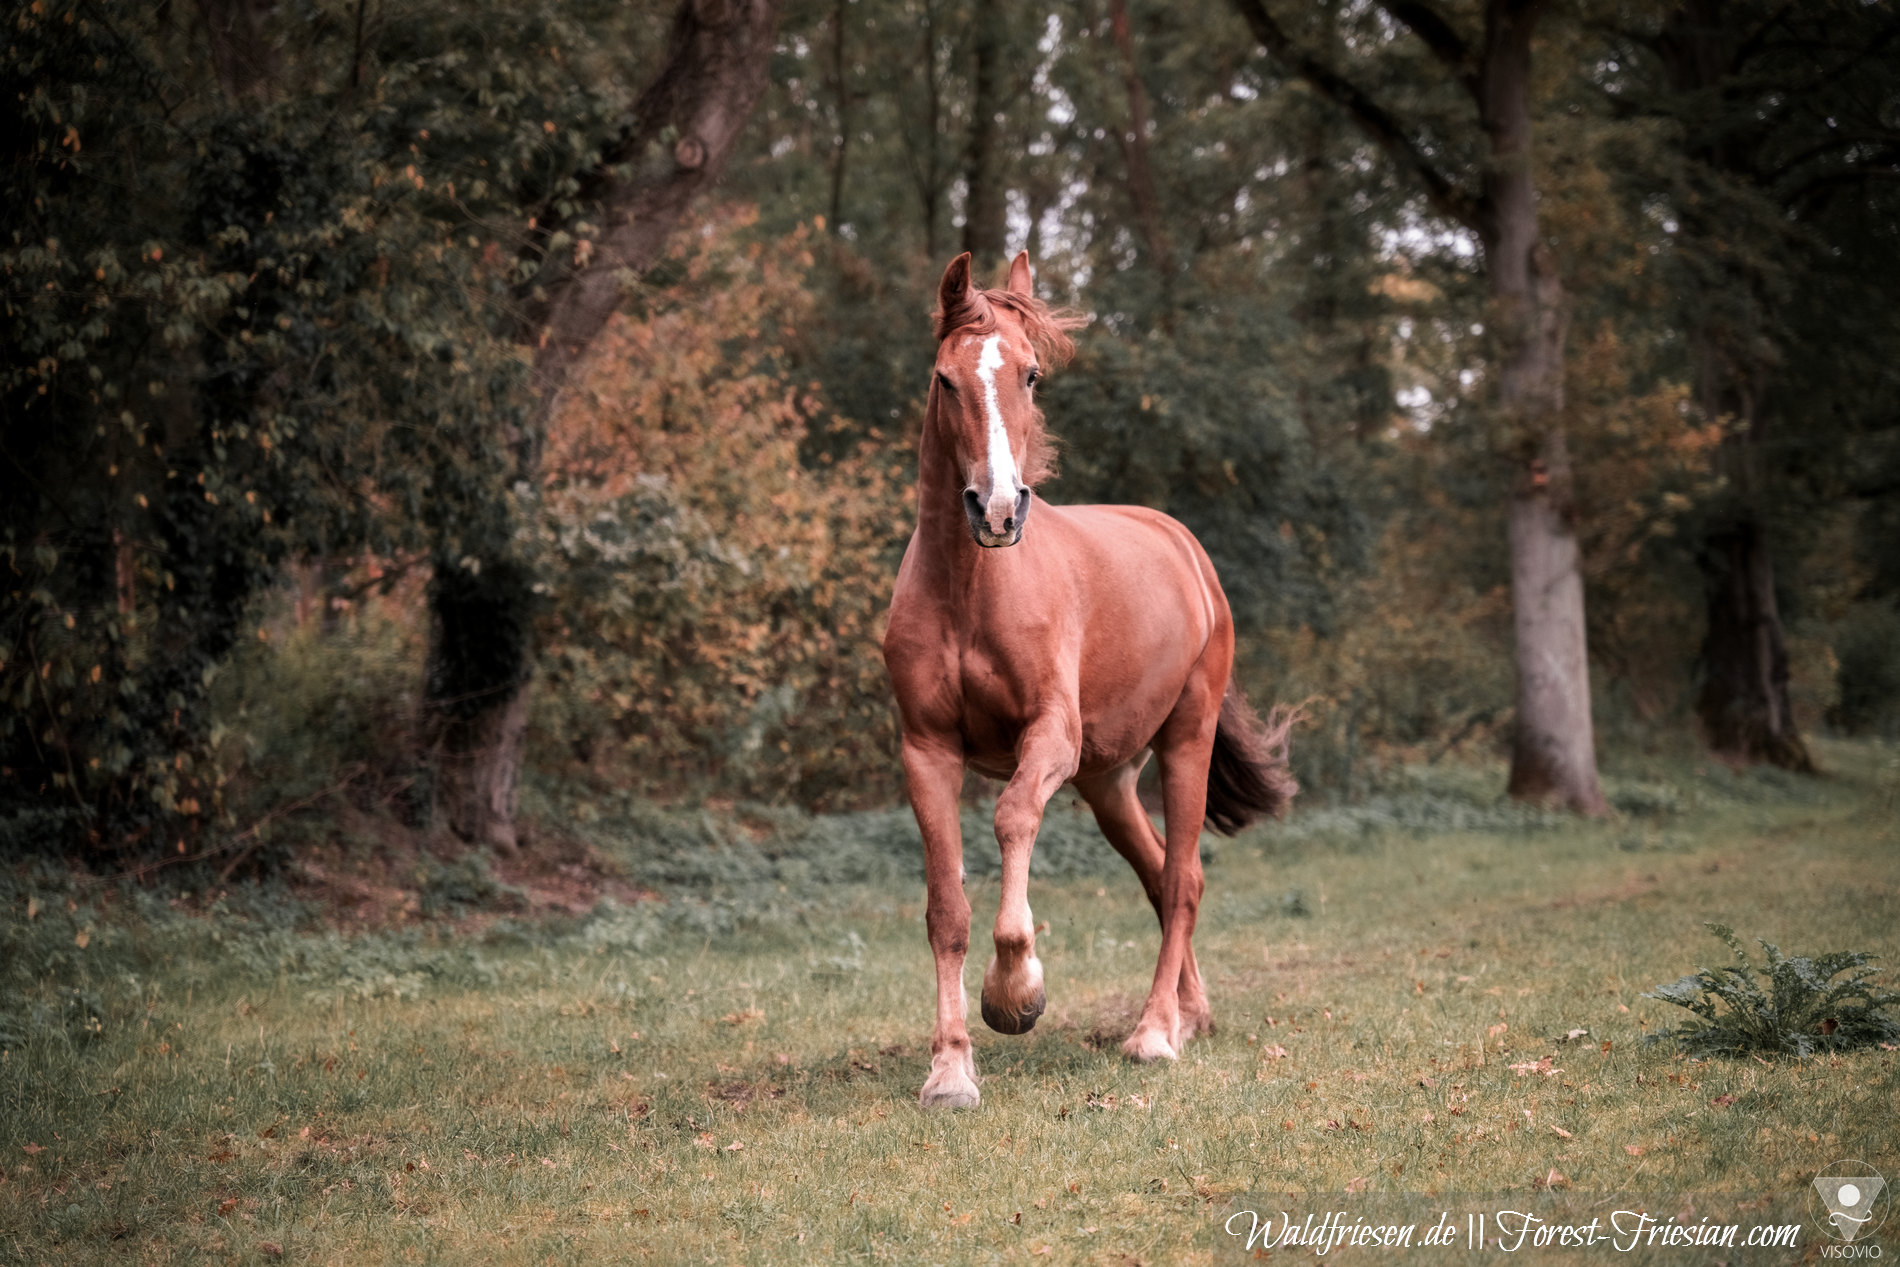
x: 1020, y: 282
x: 955, y: 284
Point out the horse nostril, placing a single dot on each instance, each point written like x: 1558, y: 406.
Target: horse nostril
x: 1009, y: 525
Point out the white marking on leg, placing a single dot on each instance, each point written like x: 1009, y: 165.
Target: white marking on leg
x: 1002, y: 461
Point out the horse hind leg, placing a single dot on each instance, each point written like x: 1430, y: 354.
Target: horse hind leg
x: 1119, y: 813
x: 1184, y: 746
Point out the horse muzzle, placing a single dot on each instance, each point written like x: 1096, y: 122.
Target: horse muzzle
x: 991, y: 531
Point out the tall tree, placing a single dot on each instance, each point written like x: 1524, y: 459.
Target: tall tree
x: 1553, y: 757
x: 984, y: 221
x: 588, y: 241
x: 1777, y: 113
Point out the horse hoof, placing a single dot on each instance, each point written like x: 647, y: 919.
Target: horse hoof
x: 1147, y: 1046
x: 1015, y: 1020
x: 949, y: 1090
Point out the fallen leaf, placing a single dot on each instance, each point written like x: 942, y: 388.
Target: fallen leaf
x: 548, y: 1162
x: 1634, y: 1150
x: 1535, y: 1066
x: 1606, y: 1046
x: 270, y: 1249
x: 1561, y: 1133
x: 1722, y: 1101
x: 1274, y: 1052
x: 705, y: 1140
x: 1555, y: 1179
x: 222, y: 1155
x: 735, y: 1146
x: 227, y: 1205
x: 34, y: 1148
x: 32, y: 908
x: 81, y: 937
x: 1356, y: 1185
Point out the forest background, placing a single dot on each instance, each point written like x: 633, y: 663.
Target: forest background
x: 456, y: 416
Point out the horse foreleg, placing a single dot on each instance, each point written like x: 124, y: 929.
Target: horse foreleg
x: 934, y: 777
x: 1013, y: 995
x: 1118, y: 812
x: 1161, y: 1031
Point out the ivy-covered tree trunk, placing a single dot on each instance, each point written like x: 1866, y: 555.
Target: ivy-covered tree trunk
x: 1743, y: 705
x: 482, y: 604
x: 1743, y: 702
x: 1553, y: 751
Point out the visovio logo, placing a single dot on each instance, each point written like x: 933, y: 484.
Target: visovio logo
x: 1851, y: 1202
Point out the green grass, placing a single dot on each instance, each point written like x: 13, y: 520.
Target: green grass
x: 637, y: 1086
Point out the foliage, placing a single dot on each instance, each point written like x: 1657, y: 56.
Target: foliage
x: 266, y: 327
x: 278, y: 342
x: 714, y: 617
x: 1802, y: 1009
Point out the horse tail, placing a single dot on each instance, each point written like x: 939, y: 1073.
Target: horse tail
x: 1248, y: 778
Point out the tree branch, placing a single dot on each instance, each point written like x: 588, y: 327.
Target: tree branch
x: 1439, y: 36
x: 716, y: 69
x: 1444, y: 195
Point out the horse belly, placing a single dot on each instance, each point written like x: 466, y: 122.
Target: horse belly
x: 1127, y: 694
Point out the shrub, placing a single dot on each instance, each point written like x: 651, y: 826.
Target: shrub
x: 1803, y: 1009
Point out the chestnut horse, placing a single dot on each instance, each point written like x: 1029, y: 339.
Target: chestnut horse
x: 1065, y: 650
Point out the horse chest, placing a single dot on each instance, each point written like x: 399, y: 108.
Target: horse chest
x: 1004, y: 689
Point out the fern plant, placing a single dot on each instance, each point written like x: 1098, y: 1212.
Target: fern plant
x: 1796, y: 1008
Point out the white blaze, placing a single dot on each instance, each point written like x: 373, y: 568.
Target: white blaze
x: 1002, y: 461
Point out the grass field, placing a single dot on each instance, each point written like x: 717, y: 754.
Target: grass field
x: 730, y: 1075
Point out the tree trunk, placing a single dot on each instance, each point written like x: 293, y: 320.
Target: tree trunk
x: 984, y: 225
x: 1744, y: 699
x: 841, y: 147
x: 240, y: 54
x: 1553, y: 755
x: 1743, y: 704
x: 1134, y: 145
x: 482, y: 606
x: 1553, y: 758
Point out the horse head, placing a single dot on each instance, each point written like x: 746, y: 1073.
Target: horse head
x: 992, y: 347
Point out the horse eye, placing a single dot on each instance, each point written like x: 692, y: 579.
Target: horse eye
x: 943, y: 380
x: 1033, y: 376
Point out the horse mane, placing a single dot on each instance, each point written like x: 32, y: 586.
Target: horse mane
x: 1048, y: 330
